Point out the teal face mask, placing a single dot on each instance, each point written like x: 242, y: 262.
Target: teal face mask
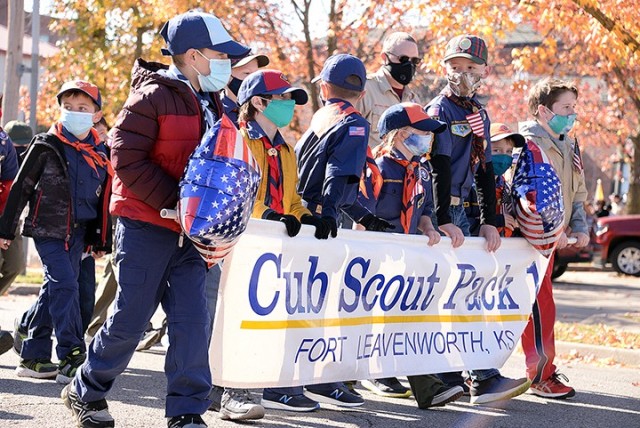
x: 280, y: 112
x: 562, y: 124
x: 501, y: 163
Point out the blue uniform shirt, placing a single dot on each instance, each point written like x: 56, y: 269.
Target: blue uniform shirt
x: 8, y: 158
x: 389, y: 203
x: 86, y: 185
x: 456, y: 142
x: 230, y: 109
x: 339, y: 151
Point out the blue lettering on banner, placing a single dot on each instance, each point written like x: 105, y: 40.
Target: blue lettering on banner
x: 406, y: 293
x: 419, y: 343
x: 483, y: 291
x: 321, y: 349
x: 293, y: 304
x: 505, y: 339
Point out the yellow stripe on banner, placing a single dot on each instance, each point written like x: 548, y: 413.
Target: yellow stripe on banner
x: 343, y: 322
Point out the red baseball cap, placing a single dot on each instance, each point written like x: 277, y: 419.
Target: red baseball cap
x: 90, y: 89
x: 269, y: 82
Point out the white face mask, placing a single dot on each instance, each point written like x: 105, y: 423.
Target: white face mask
x: 218, y: 77
x: 76, y: 122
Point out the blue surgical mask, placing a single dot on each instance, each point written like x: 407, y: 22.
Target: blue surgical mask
x: 419, y: 145
x: 218, y: 77
x: 280, y: 112
x: 501, y: 163
x: 562, y: 124
x: 78, y: 123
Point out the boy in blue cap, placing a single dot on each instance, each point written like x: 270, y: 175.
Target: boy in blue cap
x: 168, y: 111
x: 462, y: 155
x: 331, y: 158
x: 405, y: 199
x: 66, y: 180
x: 240, y: 69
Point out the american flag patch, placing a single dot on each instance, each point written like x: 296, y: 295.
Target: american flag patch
x: 433, y: 111
x: 356, y: 131
x: 477, y: 123
x: 577, y: 158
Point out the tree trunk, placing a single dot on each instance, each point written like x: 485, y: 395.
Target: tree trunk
x: 633, y: 197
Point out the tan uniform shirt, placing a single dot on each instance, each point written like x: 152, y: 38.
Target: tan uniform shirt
x: 574, y: 189
x: 379, y: 97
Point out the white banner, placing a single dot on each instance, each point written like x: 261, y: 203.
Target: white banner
x: 296, y: 311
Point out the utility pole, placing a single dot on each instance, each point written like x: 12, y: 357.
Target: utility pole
x: 35, y: 67
x: 13, y: 67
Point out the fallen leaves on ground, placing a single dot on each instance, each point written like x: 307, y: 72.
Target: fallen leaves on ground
x: 596, y: 334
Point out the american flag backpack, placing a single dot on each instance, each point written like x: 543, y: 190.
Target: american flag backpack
x: 217, y: 191
x: 537, y: 196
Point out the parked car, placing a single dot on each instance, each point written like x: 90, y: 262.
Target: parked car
x: 571, y: 254
x: 618, y: 238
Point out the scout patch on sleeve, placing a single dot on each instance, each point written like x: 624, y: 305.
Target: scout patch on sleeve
x: 460, y: 129
x: 424, y: 174
x: 356, y: 131
x: 433, y: 111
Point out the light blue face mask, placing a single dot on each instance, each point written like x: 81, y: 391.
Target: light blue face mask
x: 78, y: 123
x: 562, y: 124
x: 218, y: 77
x: 419, y: 145
x: 280, y: 112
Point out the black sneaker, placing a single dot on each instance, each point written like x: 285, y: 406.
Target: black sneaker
x: 238, y: 405
x: 351, y: 386
x: 216, y: 398
x: 446, y: 394
x: 6, y: 341
x: 292, y: 403
x: 387, y: 387
x: 497, y: 388
x: 186, y: 421
x: 338, y: 397
x: 19, y: 335
x: 69, y: 365
x: 94, y: 414
x: 38, y: 368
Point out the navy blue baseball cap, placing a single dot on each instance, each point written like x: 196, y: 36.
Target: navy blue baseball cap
x: 269, y: 82
x: 337, y: 68
x: 408, y: 114
x: 199, y: 30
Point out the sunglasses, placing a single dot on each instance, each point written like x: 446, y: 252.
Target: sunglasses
x: 404, y: 58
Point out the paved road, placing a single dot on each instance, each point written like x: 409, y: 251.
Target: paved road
x: 607, y: 396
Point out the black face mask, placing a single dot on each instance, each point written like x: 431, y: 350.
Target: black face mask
x: 234, y: 85
x: 402, y: 72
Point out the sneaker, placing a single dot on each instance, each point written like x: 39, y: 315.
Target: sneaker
x: 94, y: 414
x: 238, y: 405
x: 39, y: 368
x: 69, y: 365
x: 186, y: 421
x: 216, y: 398
x: 446, y: 394
x: 19, y: 336
x: 6, y: 341
x: 497, y: 388
x: 351, y: 386
x: 387, y: 387
x: 553, y: 387
x: 293, y: 403
x: 338, y: 397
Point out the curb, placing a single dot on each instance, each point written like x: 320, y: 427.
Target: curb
x: 630, y: 357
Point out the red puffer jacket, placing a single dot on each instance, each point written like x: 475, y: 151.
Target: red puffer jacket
x: 156, y: 131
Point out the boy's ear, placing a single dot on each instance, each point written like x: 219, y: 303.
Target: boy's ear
x: 97, y: 116
x: 487, y: 71
x: 384, y: 57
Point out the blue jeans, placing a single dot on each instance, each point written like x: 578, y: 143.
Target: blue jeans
x: 87, y: 284
x: 459, y: 218
x: 153, y: 269
x: 58, y: 305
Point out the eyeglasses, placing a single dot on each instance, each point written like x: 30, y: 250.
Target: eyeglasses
x: 404, y: 58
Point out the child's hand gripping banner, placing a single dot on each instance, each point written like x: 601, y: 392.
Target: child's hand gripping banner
x: 217, y: 191
x: 295, y: 311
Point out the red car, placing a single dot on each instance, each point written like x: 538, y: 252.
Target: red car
x: 619, y: 241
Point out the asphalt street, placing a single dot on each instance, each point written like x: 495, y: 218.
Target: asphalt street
x: 606, y: 396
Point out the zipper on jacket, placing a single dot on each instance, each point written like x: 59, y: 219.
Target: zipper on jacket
x: 68, y: 237
x: 36, y: 209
